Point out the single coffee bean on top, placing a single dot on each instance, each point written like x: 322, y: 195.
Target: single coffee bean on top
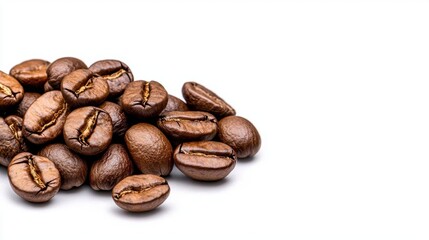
x: 116, y: 73
x: 34, y: 178
x: 201, y: 98
x: 144, y: 99
x: 141, y: 193
x: 188, y: 125
x: 88, y: 130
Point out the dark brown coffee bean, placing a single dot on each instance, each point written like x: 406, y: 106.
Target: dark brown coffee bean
x: 88, y: 130
x: 11, y: 91
x: 200, y: 98
x: 150, y: 149
x: 241, y: 135
x: 61, y: 67
x: 45, y: 118
x: 11, y: 139
x: 141, y: 193
x: 47, y: 87
x: 174, y: 104
x: 112, y: 167
x: 188, y: 125
x: 116, y: 73
x: 31, y: 73
x: 72, y: 168
x: 28, y: 99
x: 144, y: 99
x: 83, y: 88
x: 34, y: 178
x: 205, y: 160
x: 119, y: 119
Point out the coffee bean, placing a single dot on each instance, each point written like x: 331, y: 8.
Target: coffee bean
x: 28, y: 99
x: 11, y: 139
x: 83, y: 88
x: 47, y: 87
x: 112, y: 167
x: 241, y: 135
x: 61, y: 67
x: 119, y: 119
x: 188, y: 125
x: 88, y: 130
x: 141, y: 193
x: 200, y: 98
x: 34, y: 178
x: 174, y: 104
x: 11, y: 91
x: 116, y: 73
x: 144, y: 99
x: 205, y: 160
x: 31, y: 74
x: 72, y: 168
x: 150, y: 149
x: 45, y: 118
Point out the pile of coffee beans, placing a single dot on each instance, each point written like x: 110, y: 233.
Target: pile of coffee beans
x: 63, y: 124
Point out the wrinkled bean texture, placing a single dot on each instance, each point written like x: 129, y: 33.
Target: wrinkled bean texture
x: 88, y: 130
x: 144, y: 99
x: 45, y: 118
x: 34, y: 178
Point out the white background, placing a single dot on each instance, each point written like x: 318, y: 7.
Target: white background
x: 338, y: 90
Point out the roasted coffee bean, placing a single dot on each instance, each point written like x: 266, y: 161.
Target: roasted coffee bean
x: 28, y: 99
x: 61, y: 67
x: 34, y: 178
x: 72, y: 168
x: 144, y: 99
x: 119, y: 119
x: 150, y: 149
x: 31, y: 73
x: 200, y: 98
x: 205, y: 160
x: 188, y: 125
x: 47, y: 87
x: 88, y: 130
x: 11, y: 139
x: 11, y: 91
x: 141, y: 193
x: 116, y: 73
x: 174, y: 104
x: 241, y: 135
x: 83, y: 88
x: 112, y: 167
x: 44, y: 120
